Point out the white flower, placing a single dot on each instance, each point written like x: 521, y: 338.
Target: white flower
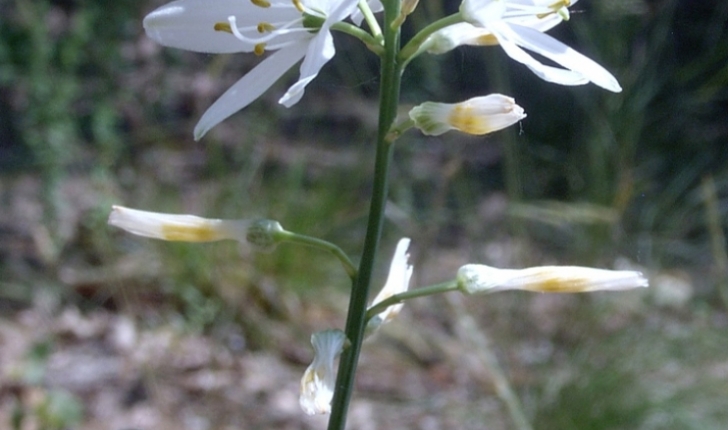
x: 184, y: 228
x: 479, y: 115
x: 317, y: 383
x: 477, y: 278
x: 260, y: 234
x: 517, y: 24
x: 227, y: 26
x: 400, y: 272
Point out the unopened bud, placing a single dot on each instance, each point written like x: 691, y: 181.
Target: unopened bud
x: 173, y: 227
x: 478, y: 278
x: 479, y: 115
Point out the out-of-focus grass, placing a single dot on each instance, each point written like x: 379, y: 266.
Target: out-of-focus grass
x: 93, y: 109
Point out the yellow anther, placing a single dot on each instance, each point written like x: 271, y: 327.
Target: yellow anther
x: 265, y: 26
x: 560, y: 7
x: 298, y: 5
x: 223, y: 26
x: 558, y: 4
x: 261, y: 3
x: 259, y: 49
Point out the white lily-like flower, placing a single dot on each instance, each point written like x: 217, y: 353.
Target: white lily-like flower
x: 478, y: 278
x: 317, y: 383
x: 180, y: 228
x: 516, y: 25
x: 260, y: 234
x: 479, y: 115
x: 295, y: 29
x: 400, y: 272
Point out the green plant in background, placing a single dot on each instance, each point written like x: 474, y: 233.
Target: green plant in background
x: 51, y: 409
x: 302, y: 30
x: 55, y: 57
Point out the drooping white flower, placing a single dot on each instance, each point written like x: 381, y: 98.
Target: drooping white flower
x: 181, y: 228
x: 479, y: 115
x: 260, y: 234
x: 516, y: 25
x: 478, y: 278
x: 400, y: 272
x: 317, y: 383
x: 295, y: 29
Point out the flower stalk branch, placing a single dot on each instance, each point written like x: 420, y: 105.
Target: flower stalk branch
x: 415, y: 47
x: 411, y: 294
x: 301, y: 239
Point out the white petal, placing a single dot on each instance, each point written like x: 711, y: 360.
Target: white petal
x: 400, y: 272
x: 480, y: 12
x: 558, y: 52
x: 548, y: 73
x: 250, y: 86
x: 190, y: 24
x: 320, y: 51
x: 317, y: 383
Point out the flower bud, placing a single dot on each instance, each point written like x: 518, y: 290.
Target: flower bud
x: 477, y: 278
x: 182, y: 228
x: 261, y: 235
x: 479, y: 115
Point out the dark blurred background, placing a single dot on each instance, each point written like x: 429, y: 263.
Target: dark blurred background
x: 99, y: 329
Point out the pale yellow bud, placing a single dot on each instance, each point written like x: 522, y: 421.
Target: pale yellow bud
x: 183, y: 228
x: 478, y: 116
x: 478, y: 278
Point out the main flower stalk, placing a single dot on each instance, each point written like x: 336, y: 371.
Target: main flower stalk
x: 356, y: 320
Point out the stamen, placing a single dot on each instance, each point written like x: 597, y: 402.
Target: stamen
x: 223, y: 26
x: 259, y: 49
x: 277, y: 31
x: 261, y: 3
x: 298, y: 5
x: 265, y: 26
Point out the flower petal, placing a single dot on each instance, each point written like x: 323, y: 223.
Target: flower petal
x: 400, y: 272
x: 320, y: 50
x: 250, y: 86
x: 481, y: 12
x: 317, y: 383
x: 190, y: 24
x: 542, y: 44
x: 548, y: 73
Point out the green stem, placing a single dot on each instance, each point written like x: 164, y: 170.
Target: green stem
x: 411, y: 294
x: 370, y: 19
x: 412, y: 48
x: 374, y: 44
x: 399, y: 129
x: 321, y: 244
x: 355, y: 322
